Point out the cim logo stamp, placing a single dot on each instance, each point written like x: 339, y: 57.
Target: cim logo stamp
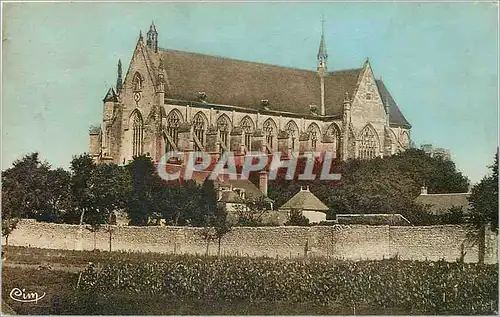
x: 20, y: 295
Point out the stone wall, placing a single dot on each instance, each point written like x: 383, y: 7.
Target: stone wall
x: 352, y: 242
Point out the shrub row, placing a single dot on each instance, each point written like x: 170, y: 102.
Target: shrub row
x: 430, y: 286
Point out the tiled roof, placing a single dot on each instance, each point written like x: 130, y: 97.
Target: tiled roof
x: 305, y: 200
x: 251, y: 191
x: 441, y: 203
x: 245, y: 84
x: 337, y: 83
x: 396, y: 117
x: 240, y: 83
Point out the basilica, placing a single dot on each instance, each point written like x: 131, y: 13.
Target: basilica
x: 171, y: 100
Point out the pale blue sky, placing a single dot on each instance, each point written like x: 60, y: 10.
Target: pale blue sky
x: 440, y: 62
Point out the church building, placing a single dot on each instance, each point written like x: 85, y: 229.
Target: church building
x: 172, y: 100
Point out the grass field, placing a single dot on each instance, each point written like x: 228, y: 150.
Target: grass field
x: 56, y: 273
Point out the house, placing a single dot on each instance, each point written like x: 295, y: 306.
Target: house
x: 441, y: 203
x: 311, y: 207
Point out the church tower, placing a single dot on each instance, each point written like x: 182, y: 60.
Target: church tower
x: 322, y: 54
x: 152, y: 41
x: 322, y: 67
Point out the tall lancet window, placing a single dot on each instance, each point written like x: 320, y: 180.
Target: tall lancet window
x: 173, y: 121
x: 223, y: 128
x: 269, y: 131
x: 199, y: 126
x: 293, y: 130
x: 333, y: 133
x: 314, y: 133
x: 137, y: 134
x: 246, y: 125
x: 368, y: 146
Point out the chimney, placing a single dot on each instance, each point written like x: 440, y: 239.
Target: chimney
x: 423, y: 190
x: 263, y: 182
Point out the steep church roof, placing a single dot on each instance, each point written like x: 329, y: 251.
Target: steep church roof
x: 245, y: 84
x: 240, y: 83
x: 337, y: 83
x: 396, y: 117
x: 305, y: 200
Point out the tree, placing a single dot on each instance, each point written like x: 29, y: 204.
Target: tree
x: 214, y: 215
x: 251, y: 211
x: 110, y: 185
x: 144, y: 183
x: 98, y: 190
x: 180, y: 204
x: 82, y: 167
x: 484, y: 207
x: 10, y: 218
x: 296, y: 218
x: 25, y: 185
x: 380, y: 185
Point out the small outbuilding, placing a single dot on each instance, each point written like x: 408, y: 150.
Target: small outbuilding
x: 312, y: 208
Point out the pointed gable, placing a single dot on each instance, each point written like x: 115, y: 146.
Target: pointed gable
x: 396, y: 117
x: 110, y: 96
x: 305, y: 200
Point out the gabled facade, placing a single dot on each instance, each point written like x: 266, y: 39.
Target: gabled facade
x: 172, y: 100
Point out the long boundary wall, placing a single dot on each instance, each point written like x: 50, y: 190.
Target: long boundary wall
x: 353, y: 242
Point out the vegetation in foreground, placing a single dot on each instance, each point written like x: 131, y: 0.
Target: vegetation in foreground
x: 150, y: 283
x: 63, y: 299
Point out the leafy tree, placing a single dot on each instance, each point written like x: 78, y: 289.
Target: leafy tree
x: 251, y: 211
x: 385, y: 185
x: 297, y: 218
x: 484, y: 207
x: 98, y: 190
x: 82, y: 168
x: 25, y: 185
x: 60, y: 199
x: 144, y: 181
x: 207, y: 200
x: 110, y: 185
x: 10, y: 217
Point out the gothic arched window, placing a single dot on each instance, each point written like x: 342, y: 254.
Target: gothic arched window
x: 314, y: 133
x: 223, y: 127
x: 137, y: 82
x: 137, y: 134
x: 270, y: 131
x: 333, y: 133
x: 173, y: 120
x: 368, y: 145
x: 199, y: 125
x: 247, y: 126
x: 293, y: 130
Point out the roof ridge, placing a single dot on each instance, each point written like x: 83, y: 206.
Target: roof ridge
x: 445, y: 194
x: 346, y: 70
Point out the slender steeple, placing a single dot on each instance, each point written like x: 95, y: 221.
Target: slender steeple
x: 119, y: 81
x: 322, y: 54
x: 152, y: 41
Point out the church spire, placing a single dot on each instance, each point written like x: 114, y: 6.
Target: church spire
x: 119, y: 82
x: 152, y: 41
x: 322, y: 54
